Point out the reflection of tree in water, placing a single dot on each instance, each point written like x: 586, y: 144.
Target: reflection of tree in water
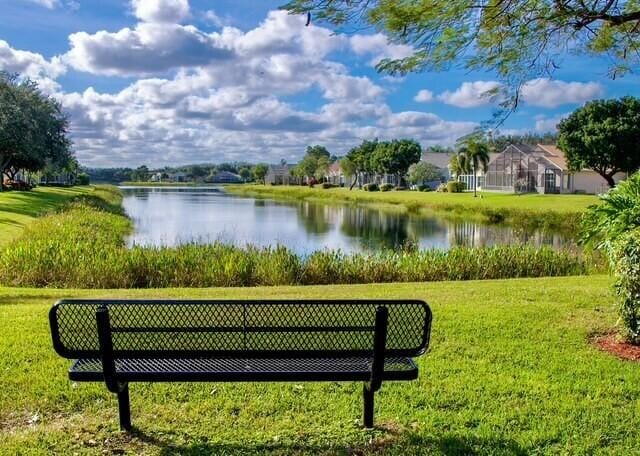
x: 477, y: 235
x: 375, y: 229
x: 316, y: 218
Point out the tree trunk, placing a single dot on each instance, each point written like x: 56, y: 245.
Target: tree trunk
x: 474, y: 181
x: 609, y: 179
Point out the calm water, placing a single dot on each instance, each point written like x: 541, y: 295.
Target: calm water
x: 172, y: 216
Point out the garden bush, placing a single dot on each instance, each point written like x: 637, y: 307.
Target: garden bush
x: 613, y: 226
x: 442, y: 188
x: 327, y: 185
x: 399, y: 188
x: 372, y: 187
x: 386, y: 187
x: 626, y: 269
x: 456, y: 187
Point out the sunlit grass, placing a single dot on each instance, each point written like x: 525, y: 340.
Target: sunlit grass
x: 510, y: 371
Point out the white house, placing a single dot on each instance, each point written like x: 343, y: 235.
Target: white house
x: 540, y: 168
x: 279, y: 175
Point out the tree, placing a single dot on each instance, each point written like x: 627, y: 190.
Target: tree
x: 317, y: 152
x: 603, y: 135
x: 476, y: 153
x: 348, y: 169
x: 259, y: 172
x: 519, y: 40
x: 140, y: 174
x: 423, y: 172
x: 314, y: 164
x: 245, y: 174
x: 459, y: 165
x: 360, y: 157
x: 322, y: 167
x: 395, y: 157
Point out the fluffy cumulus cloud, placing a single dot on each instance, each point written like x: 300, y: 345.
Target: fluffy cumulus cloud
x: 551, y: 94
x: 424, y: 96
x: 473, y: 94
x: 31, y: 65
x: 546, y: 124
x: 161, y: 11
x: 379, y: 47
x: 228, y: 95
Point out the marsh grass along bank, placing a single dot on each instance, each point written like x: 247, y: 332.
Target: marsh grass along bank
x: 547, y: 212
x: 83, y: 247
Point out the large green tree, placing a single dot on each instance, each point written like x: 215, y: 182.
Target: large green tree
x: 360, y: 158
x: 423, y: 172
x: 395, y: 157
x: 260, y: 171
x: 603, y: 135
x: 516, y: 39
x: 33, y: 128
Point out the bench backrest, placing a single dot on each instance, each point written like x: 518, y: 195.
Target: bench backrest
x: 207, y: 328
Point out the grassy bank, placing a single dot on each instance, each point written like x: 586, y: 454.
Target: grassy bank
x: 559, y: 212
x: 83, y: 247
x: 19, y: 209
x: 510, y: 372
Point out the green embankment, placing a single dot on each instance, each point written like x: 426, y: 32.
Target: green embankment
x: 529, y: 210
x: 510, y: 372
x: 19, y: 209
x: 83, y: 247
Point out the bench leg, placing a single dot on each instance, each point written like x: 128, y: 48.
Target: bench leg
x: 124, y: 409
x: 367, y: 396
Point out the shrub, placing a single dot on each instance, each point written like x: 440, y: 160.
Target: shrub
x: 626, y: 269
x: 424, y: 188
x: 442, y: 188
x: 327, y: 185
x: 386, y: 187
x: 613, y: 226
x: 399, y: 188
x: 456, y: 187
x: 372, y: 187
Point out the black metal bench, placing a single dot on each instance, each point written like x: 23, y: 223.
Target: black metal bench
x: 123, y: 341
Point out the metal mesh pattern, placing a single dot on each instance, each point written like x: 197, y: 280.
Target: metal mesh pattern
x: 241, y: 365
x: 210, y: 328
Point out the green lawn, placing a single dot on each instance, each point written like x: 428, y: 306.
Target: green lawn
x: 552, y: 210
x: 510, y: 372
x: 18, y: 209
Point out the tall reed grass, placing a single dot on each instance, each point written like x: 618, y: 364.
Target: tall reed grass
x: 83, y: 247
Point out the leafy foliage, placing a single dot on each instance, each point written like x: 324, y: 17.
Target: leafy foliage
x: 260, y: 171
x: 33, y: 129
x: 395, y: 157
x: 423, y: 172
x: 626, y: 268
x: 603, y: 135
x: 516, y: 39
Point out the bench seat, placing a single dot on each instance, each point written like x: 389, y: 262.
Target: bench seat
x: 244, y: 369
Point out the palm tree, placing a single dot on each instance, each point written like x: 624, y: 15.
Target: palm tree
x: 476, y: 153
x: 459, y: 165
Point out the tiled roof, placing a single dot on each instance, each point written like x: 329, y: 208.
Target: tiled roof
x: 438, y: 159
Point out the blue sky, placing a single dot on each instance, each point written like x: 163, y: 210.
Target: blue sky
x: 161, y: 82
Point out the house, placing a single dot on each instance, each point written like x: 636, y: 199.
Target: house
x: 335, y: 176
x: 441, y: 161
x: 540, y: 168
x: 156, y: 177
x: 279, y: 175
x: 226, y: 177
x: 178, y: 176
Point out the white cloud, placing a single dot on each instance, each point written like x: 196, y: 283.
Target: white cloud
x: 50, y: 4
x: 473, y: 94
x: 424, y: 96
x: 211, y: 17
x: 546, y: 93
x: 546, y: 124
x: 31, y: 65
x: 379, y: 47
x: 161, y: 11
x: 145, y: 50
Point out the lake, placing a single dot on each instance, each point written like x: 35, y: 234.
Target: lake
x: 169, y: 216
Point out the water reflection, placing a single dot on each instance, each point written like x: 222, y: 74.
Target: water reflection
x: 172, y: 216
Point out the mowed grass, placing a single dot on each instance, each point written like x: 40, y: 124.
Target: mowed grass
x: 532, y: 210
x: 510, y: 371
x: 19, y: 209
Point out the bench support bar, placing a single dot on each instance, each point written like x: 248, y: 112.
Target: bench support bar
x: 123, y: 409
x: 377, y: 365
x: 109, y: 368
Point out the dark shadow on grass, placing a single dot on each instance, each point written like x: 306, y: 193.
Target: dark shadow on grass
x: 382, y: 441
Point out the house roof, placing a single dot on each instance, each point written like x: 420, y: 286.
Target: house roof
x: 548, y: 153
x: 556, y: 155
x: 438, y: 159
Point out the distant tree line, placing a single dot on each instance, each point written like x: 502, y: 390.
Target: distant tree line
x: 33, y: 134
